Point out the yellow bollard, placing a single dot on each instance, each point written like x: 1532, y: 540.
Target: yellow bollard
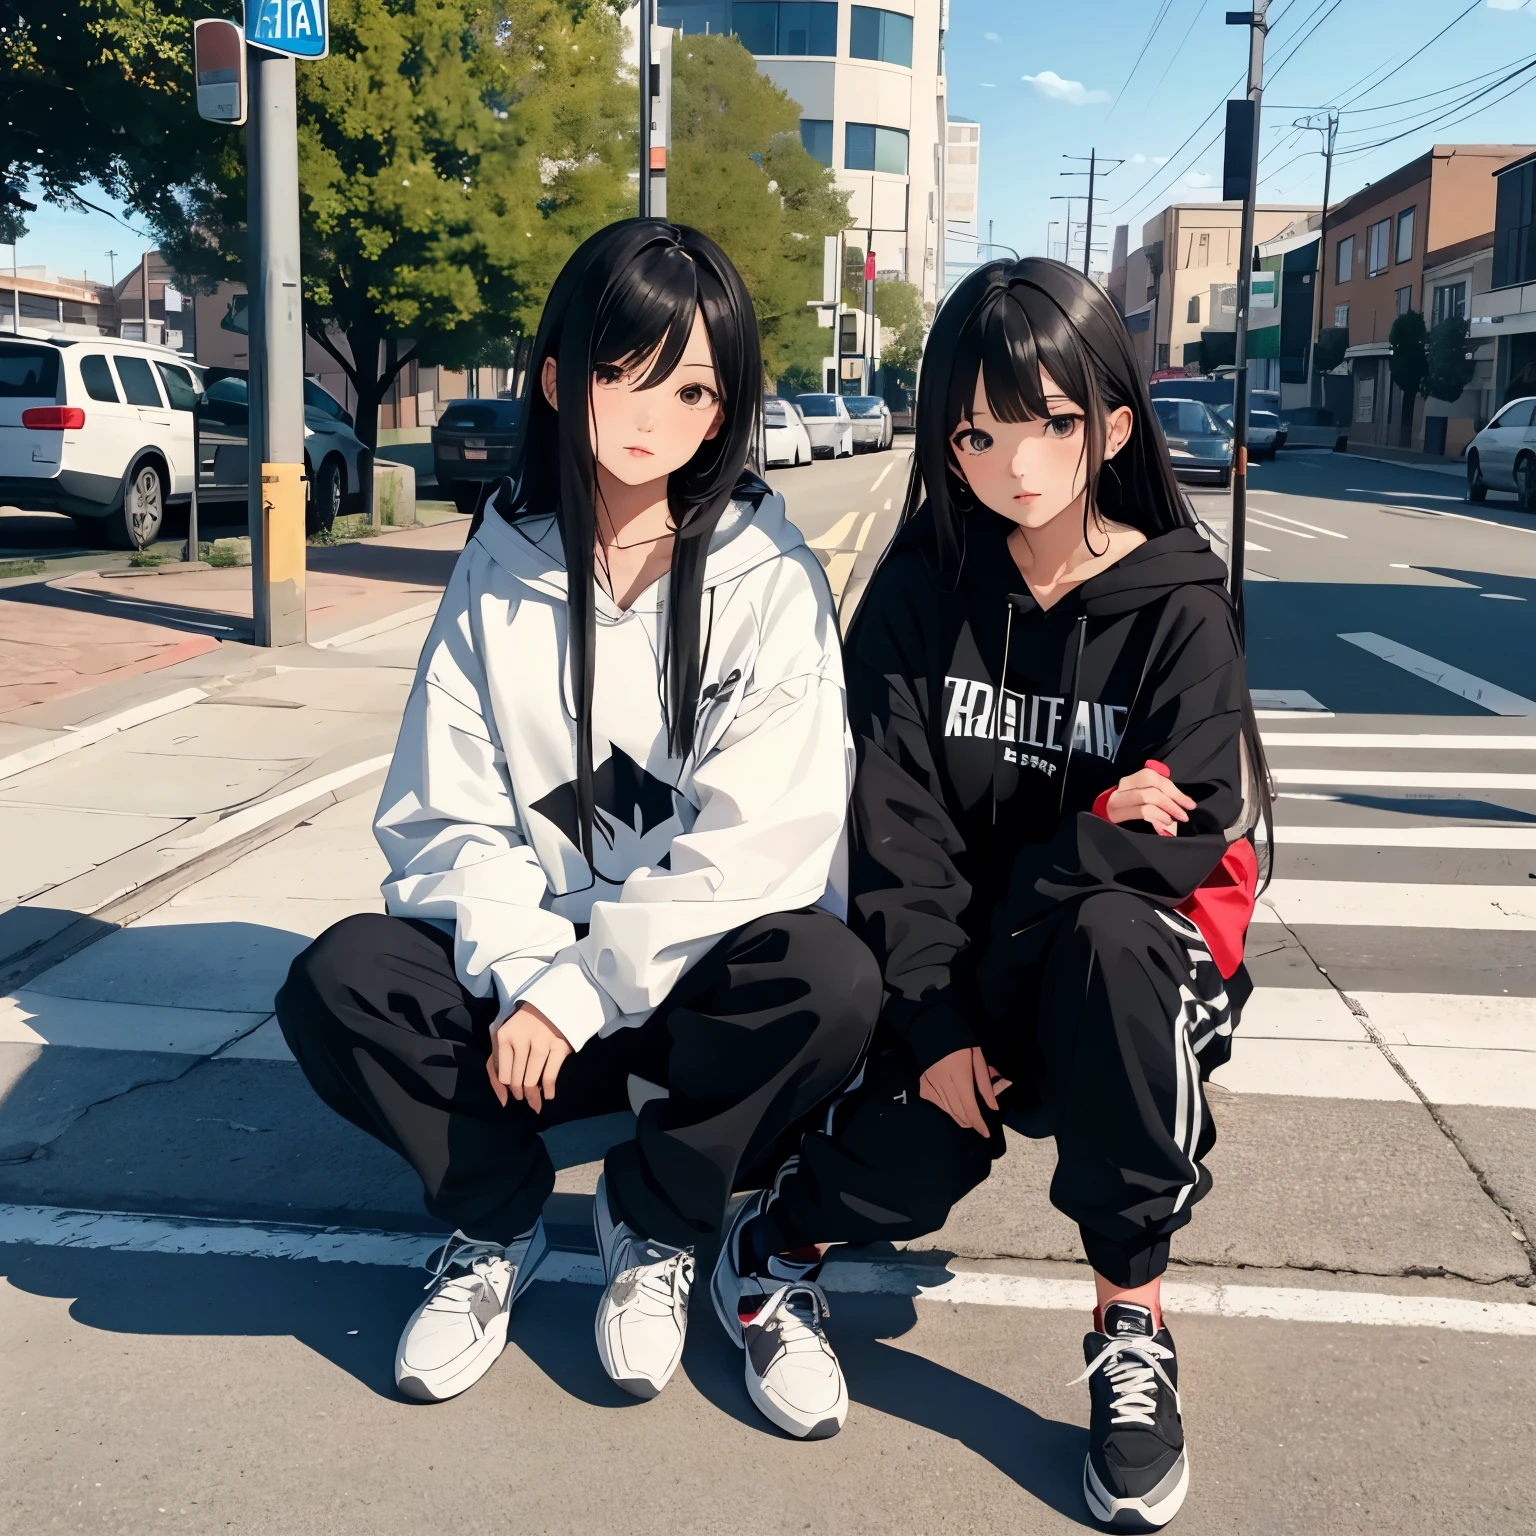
x: 280, y: 605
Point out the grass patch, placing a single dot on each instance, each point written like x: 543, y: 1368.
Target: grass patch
x: 345, y: 530
x: 146, y: 558
x: 224, y: 553
x: 10, y: 568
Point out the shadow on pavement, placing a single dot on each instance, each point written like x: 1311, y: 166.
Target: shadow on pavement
x: 384, y: 560
x: 176, y: 616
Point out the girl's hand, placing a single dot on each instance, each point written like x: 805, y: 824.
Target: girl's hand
x: 527, y: 1052
x: 1149, y: 796
x: 953, y: 1082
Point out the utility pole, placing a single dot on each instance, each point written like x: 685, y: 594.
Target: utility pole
x: 1068, y: 199
x: 144, y: 294
x: 1314, y: 378
x: 645, y: 108
x: 1243, y: 138
x: 111, y: 268
x: 1092, y: 173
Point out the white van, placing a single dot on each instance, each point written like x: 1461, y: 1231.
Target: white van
x: 101, y: 429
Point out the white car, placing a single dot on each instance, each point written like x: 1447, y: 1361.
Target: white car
x: 829, y: 424
x: 101, y: 429
x: 1502, y: 457
x: 784, y: 432
x: 872, y: 425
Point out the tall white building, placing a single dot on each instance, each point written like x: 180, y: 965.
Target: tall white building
x: 869, y: 81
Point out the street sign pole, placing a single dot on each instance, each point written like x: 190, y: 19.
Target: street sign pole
x: 645, y: 108
x: 276, y: 381
x: 1257, y: 26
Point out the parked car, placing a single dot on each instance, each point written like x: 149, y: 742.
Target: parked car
x: 829, y: 424
x: 872, y: 426
x: 1215, y: 389
x: 1502, y: 457
x: 471, y: 446
x: 785, y: 434
x: 335, y: 460
x: 1266, y: 432
x: 1199, y: 441
x: 1313, y: 426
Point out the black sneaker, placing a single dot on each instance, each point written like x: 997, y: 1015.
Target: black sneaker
x: 1137, y: 1473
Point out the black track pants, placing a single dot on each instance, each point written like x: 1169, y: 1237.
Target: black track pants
x: 1107, y: 1016
x: 760, y: 1031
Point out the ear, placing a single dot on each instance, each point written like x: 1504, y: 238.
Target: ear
x: 1117, y: 430
x: 547, y: 380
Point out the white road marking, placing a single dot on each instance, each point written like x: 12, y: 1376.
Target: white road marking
x: 380, y: 626
x: 258, y: 815
x: 1388, y: 778
x: 123, y: 1232
x: 1443, y: 743
x: 880, y: 478
x: 75, y: 737
x: 1502, y: 597
x: 1295, y: 533
x: 1278, y: 702
x: 1500, y: 701
x: 1496, y: 839
x: 1388, y: 904
x: 1280, y: 518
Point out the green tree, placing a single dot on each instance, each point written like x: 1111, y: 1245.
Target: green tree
x: 899, y: 309
x: 738, y: 171
x: 452, y: 153
x: 1332, y: 343
x: 1450, y: 359
x: 1409, y: 364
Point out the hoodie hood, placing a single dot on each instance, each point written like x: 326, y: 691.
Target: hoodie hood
x: 752, y: 530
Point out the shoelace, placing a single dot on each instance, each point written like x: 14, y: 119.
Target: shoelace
x: 463, y: 1253
x: 1133, y: 1382
x: 661, y: 1275
x: 783, y: 1303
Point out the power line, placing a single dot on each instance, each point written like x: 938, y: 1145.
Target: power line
x: 1362, y: 149
x: 1443, y: 107
x: 1157, y: 21
x: 1455, y: 21
x: 1200, y: 10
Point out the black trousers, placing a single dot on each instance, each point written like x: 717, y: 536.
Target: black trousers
x: 771, y: 1022
x: 1107, y: 1016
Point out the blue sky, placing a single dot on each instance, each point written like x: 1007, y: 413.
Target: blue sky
x: 1047, y: 79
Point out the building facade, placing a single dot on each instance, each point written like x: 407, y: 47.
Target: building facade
x: 1505, y: 313
x: 1377, y: 245
x: 1187, y: 250
x: 869, y: 82
x: 33, y: 298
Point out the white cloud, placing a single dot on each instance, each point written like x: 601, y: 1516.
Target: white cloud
x: 1198, y: 180
x: 992, y: 37
x: 987, y: 86
x: 1073, y: 92
x: 1140, y: 159
x: 1508, y: 5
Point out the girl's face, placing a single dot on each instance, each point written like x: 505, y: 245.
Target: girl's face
x: 1031, y: 471
x: 641, y: 435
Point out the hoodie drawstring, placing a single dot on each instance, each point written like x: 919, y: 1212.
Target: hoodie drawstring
x: 1002, y: 690
x: 1070, y: 725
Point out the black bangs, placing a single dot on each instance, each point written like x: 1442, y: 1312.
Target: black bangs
x: 628, y: 297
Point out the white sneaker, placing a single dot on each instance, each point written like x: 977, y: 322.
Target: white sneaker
x: 457, y: 1334
x: 792, y: 1371
x: 642, y: 1318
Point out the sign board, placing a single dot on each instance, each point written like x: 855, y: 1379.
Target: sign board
x: 869, y: 268
x: 218, y: 63
x: 297, y: 27
x: 1264, y: 291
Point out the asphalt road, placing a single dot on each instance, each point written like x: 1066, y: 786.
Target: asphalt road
x: 1377, y: 1125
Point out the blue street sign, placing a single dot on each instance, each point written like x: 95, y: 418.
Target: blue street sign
x: 299, y: 27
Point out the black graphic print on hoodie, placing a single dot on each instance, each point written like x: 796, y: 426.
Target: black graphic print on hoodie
x: 987, y: 727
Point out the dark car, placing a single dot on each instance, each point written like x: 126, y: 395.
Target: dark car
x: 1199, y: 441
x: 471, y: 446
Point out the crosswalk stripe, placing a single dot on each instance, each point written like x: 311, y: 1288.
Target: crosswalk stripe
x: 1496, y: 838
x: 1390, y: 778
x: 1501, y: 701
x: 1372, y: 904
x: 1427, y: 741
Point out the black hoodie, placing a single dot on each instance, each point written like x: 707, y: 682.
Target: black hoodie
x: 972, y: 812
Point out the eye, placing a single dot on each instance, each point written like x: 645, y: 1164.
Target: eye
x: 608, y: 374
x: 1062, y: 426
x: 972, y: 440
x: 697, y: 394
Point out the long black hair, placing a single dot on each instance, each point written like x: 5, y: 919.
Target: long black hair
x: 627, y: 296
x: 1006, y: 323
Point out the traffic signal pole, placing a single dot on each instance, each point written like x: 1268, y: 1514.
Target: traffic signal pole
x: 1257, y: 26
x: 276, y: 380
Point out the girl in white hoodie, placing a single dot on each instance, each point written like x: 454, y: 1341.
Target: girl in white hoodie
x: 614, y: 824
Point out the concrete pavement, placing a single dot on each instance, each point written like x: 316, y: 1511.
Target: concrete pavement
x: 1376, y: 1125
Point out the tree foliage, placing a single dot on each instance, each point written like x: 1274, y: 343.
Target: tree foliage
x: 738, y: 171
x: 1450, y: 361
x: 1332, y: 343
x: 1408, y: 364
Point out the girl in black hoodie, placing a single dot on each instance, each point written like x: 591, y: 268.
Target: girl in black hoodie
x: 1059, y: 775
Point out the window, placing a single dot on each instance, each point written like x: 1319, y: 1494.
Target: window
x: 1403, y: 250
x: 1194, y: 310
x: 1450, y: 300
x: 179, y: 388
x: 816, y: 135
x: 692, y: 17
x: 1402, y: 300
x: 1514, y: 227
x: 868, y: 147
x: 797, y: 27
x: 817, y: 405
x: 1516, y: 415
x: 1376, y: 238
x: 1341, y: 317
x: 97, y: 378
x: 138, y: 382
x: 882, y: 35
x: 28, y: 373
x: 1344, y: 259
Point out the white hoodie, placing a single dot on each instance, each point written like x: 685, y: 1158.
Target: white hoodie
x: 478, y: 814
